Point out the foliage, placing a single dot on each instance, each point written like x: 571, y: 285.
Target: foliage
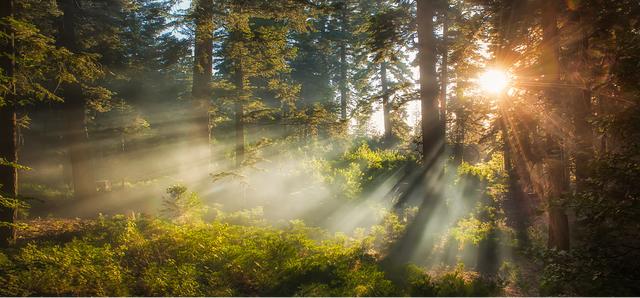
x: 151, y: 257
x: 605, y: 263
x: 361, y: 169
x: 40, y: 64
x: 182, y: 206
x: 456, y: 283
x: 470, y: 230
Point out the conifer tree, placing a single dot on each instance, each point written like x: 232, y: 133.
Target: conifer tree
x: 8, y: 129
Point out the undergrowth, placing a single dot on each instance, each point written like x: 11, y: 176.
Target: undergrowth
x: 148, y: 256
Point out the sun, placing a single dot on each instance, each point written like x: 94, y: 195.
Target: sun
x: 493, y: 81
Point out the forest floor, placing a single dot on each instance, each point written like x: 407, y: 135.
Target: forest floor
x: 522, y: 280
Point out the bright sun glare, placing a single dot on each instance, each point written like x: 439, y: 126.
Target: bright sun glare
x: 493, y: 80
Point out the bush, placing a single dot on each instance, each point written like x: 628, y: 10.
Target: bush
x: 181, y: 206
x: 361, y: 169
x: 77, y: 268
x: 152, y: 257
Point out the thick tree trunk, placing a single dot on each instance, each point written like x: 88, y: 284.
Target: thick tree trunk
x: 8, y: 136
x: 8, y: 173
x: 428, y: 86
x: 77, y: 138
x: 386, y: 105
x: 554, y: 166
x: 514, y: 205
x: 202, y: 74
x: 78, y: 143
x: 414, y: 243
x: 582, y: 102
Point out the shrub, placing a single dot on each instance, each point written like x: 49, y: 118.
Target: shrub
x: 181, y: 206
x: 76, y: 268
x: 148, y: 256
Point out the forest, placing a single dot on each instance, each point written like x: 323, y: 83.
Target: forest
x: 319, y: 148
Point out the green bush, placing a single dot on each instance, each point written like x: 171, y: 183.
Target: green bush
x: 153, y: 257
x: 182, y: 206
x: 77, y: 268
x: 456, y: 283
x: 360, y: 169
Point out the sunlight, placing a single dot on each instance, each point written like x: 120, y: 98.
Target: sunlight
x: 493, y: 80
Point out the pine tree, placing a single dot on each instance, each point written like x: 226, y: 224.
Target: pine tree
x: 202, y: 72
x: 32, y: 67
x: 8, y: 129
x: 256, y: 53
x: 79, y: 148
x: 389, y: 41
x: 558, y: 182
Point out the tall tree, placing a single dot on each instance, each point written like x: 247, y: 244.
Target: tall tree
x: 390, y: 35
x: 202, y: 71
x: 431, y: 136
x: 414, y: 241
x: 444, y: 69
x: 557, y: 182
x: 8, y: 130
x: 75, y: 102
x: 343, y: 18
x: 255, y: 55
x: 579, y: 76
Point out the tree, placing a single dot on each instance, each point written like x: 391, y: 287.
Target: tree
x: 42, y: 66
x: 390, y: 35
x: 255, y: 58
x: 579, y: 75
x: 414, y: 240
x: 444, y: 70
x: 202, y: 71
x: 555, y: 168
x: 343, y: 18
x: 76, y: 120
x: 431, y: 136
x: 8, y: 129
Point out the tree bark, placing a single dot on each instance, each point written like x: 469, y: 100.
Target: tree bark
x: 414, y: 243
x: 428, y: 86
x: 554, y: 166
x: 8, y: 136
x: 444, y: 74
x: 386, y: 105
x: 77, y: 138
x: 344, y: 83
x: 582, y: 102
x: 202, y: 74
x: 514, y: 205
x: 239, y: 106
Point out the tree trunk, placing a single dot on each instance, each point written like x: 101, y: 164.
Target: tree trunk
x: 8, y: 173
x: 344, y: 87
x: 414, y: 243
x: 78, y: 142
x: 514, y: 205
x: 554, y: 166
x: 239, y: 114
x: 8, y: 136
x: 582, y: 102
x: 428, y: 86
x: 202, y: 74
x: 444, y: 75
x: 386, y: 105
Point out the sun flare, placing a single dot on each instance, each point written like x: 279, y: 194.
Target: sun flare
x: 493, y: 81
